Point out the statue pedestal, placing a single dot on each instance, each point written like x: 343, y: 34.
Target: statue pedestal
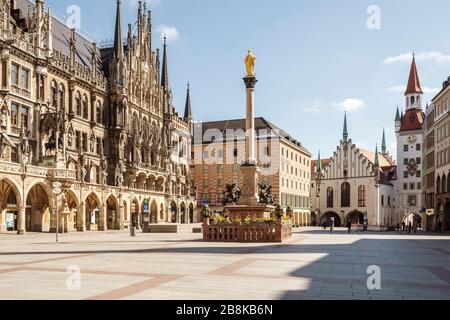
x: 250, y: 174
x: 257, y: 211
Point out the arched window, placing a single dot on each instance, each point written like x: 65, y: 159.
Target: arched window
x: 362, y: 196
x: 54, y: 93
x: 78, y: 103
x: 99, y: 113
x: 444, y: 184
x: 85, y: 108
x: 330, y: 197
x: 345, y: 195
x: 438, y: 185
x: 62, y: 97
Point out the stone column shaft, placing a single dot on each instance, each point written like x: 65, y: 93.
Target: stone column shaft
x: 250, y: 127
x: 21, y: 228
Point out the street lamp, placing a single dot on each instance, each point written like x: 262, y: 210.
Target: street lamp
x: 132, y: 230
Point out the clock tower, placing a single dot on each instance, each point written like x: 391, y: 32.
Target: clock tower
x: 408, y: 127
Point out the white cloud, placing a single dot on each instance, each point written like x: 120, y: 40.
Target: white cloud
x: 315, y: 110
x: 349, y: 105
x: 171, y: 33
x: 402, y: 89
x: 424, y: 56
x: 314, y: 106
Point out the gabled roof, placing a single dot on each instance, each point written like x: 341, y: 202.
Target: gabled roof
x: 383, y: 160
x: 413, y: 81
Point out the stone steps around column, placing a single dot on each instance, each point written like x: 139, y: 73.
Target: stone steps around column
x: 176, y: 228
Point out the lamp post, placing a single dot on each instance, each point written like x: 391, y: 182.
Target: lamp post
x: 132, y: 230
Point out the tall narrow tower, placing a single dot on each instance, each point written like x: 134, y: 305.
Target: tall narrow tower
x: 409, y: 150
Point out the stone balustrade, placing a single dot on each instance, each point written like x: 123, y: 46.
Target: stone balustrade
x: 255, y: 232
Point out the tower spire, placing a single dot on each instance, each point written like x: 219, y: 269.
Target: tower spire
x: 383, y: 143
x: 377, y: 161
x: 345, y: 133
x: 413, y: 81
x: 188, y: 107
x: 165, y: 72
x: 397, y: 115
x: 118, y: 46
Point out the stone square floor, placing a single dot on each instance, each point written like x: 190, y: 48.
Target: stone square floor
x: 313, y: 265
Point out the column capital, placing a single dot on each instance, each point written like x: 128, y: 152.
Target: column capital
x: 250, y: 82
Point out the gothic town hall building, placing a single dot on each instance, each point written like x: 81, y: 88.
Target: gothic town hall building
x: 88, y: 132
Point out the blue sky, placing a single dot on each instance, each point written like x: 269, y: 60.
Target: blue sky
x: 314, y: 59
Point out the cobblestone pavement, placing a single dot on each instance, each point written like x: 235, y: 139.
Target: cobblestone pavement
x: 313, y: 265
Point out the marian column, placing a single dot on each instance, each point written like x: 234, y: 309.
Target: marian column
x: 249, y: 169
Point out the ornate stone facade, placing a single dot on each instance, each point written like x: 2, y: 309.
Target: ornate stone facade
x: 98, y: 120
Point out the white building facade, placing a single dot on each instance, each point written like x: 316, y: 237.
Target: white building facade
x: 409, y: 129
x: 355, y: 185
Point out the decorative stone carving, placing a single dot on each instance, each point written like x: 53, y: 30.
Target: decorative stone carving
x: 232, y: 195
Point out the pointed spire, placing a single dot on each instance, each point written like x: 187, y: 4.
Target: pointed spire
x: 413, y: 81
x: 383, y: 143
x: 397, y: 116
x: 377, y: 161
x: 188, y: 107
x: 118, y: 45
x: 319, y: 164
x: 165, y: 72
x: 345, y: 133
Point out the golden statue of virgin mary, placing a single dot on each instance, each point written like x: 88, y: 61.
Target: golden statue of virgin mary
x: 250, y: 63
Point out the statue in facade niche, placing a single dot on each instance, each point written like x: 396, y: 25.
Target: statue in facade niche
x: 3, y: 119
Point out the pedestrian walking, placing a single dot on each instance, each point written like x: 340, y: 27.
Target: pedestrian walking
x: 440, y: 226
x: 415, y: 226
x: 349, y: 226
x: 403, y: 226
x: 331, y: 225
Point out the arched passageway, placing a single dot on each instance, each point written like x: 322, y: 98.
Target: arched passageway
x: 355, y: 217
x: 191, y: 213
x: 9, y: 206
x: 183, y: 213
x: 326, y: 217
x: 173, y: 212
x: 92, y: 212
x: 154, y: 212
x: 37, y: 213
x: 112, y: 214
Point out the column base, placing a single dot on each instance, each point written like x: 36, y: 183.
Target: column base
x: 21, y: 233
